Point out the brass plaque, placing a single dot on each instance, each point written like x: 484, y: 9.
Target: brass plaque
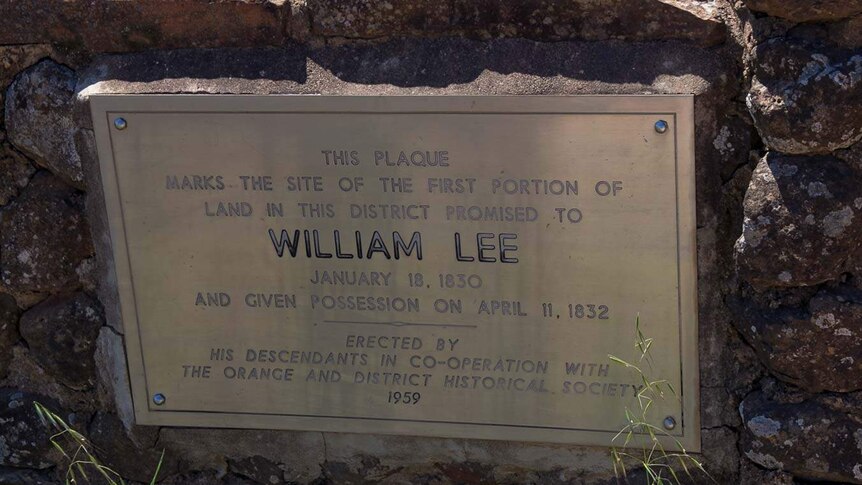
x: 442, y: 266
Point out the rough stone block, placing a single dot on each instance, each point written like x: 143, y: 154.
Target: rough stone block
x: 806, y: 99
x: 846, y: 33
x: 114, y: 391
x: 718, y: 407
x: 26, y: 375
x: 110, y: 26
x: 15, y: 171
x: 61, y: 333
x: 807, y: 10
x: 43, y: 239
x: 24, y: 439
x: 816, y: 439
x: 817, y: 348
x: 801, y: 221
x: 15, y: 58
x: 8, y: 330
x: 40, y: 120
x: 690, y: 20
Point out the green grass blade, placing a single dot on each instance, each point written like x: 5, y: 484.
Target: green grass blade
x: 158, y: 468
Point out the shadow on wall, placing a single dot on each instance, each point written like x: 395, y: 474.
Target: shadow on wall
x: 408, y: 63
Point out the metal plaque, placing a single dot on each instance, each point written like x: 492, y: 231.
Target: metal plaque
x: 442, y: 266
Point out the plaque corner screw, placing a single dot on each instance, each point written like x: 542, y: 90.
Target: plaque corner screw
x: 159, y: 399
x: 120, y: 123
x: 661, y: 126
x: 669, y: 423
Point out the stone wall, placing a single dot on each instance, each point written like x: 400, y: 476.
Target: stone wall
x: 778, y: 100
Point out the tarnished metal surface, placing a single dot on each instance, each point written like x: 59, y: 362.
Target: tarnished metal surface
x: 446, y: 266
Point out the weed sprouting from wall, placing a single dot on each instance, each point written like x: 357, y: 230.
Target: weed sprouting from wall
x: 639, y: 442
x: 80, y: 452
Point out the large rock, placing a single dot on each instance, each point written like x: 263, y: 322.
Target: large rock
x: 39, y: 119
x: 24, y: 438
x: 8, y: 331
x: 690, y: 20
x: 61, y: 333
x: 818, y: 348
x: 817, y: 439
x: 27, y: 375
x: 143, y: 24
x: 806, y: 99
x: 14, y: 58
x: 15, y: 171
x: 807, y: 10
x: 43, y: 239
x: 802, y: 221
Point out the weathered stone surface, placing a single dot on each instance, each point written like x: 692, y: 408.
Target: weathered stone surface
x: 39, y: 119
x: 15, y: 58
x: 113, y: 389
x: 689, y: 20
x: 258, y: 469
x: 412, y: 67
x: 297, y: 453
x: 818, y: 347
x: 26, y: 375
x: 23, y: 476
x: 751, y: 474
x: 843, y: 34
x: 43, y: 239
x: 15, y: 171
x: 818, y: 439
x: 207, y: 478
x: 131, y: 455
x: 718, y: 407
x: 24, y: 439
x: 807, y: 10
x: 846, y: 33
x: 801, y: 221
x: 852, y: 156
x: 142, y: 24
x: 805, y: 99
x: 728, y: 366
x: 720, y: 455
x: 8, y: 330
x: 61, y: 333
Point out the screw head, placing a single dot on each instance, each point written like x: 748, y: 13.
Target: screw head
x: 120, y: 123
x: 669, y: 423
x: 159, y: 399
x: 661, y: 126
